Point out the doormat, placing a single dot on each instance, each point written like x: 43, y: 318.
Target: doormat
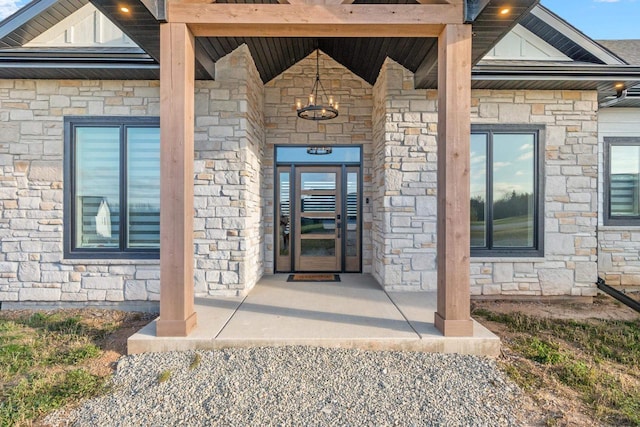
x: 313, y: 278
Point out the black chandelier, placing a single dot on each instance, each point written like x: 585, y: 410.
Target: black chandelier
x: 316, y: 109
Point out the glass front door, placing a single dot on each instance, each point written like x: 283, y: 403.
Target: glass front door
x: 319, y: 218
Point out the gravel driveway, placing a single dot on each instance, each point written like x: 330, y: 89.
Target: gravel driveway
x: 294, y: 386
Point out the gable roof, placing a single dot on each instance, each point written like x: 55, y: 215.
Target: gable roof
x: 363, y: 56
x: 629, y: 50
x: 592, y: 66
x: 20, y: 60
x: 556, y: 54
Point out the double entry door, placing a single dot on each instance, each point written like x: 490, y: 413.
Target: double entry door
x: 319, y: 219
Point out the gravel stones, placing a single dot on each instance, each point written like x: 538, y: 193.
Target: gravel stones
x: 304, y: 386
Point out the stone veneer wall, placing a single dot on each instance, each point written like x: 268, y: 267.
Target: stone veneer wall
x: 229, y: 145
x: 32, y: 267
x: 570, y: 211
x: 282, y: 127
x: 228, y: 229
x: 618, y: 246
x: 404, y: 226
x: 404, y: 203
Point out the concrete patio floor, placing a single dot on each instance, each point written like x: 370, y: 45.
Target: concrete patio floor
x: 353, y: 313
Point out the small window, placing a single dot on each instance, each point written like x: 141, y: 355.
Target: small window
x: 506, y: 195
x: 112, y: 187
x: 622, y: 181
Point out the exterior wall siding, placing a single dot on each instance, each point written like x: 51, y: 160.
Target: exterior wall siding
x: 405, y: 129
x: 570, y: 194
x: 238, y: 123
x: 405, y: 205
x: 32, y: 267
x: 618, y: 247
x: 229, y: 144
x: 228, y: 224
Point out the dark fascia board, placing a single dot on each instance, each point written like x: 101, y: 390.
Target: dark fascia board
x: 157, y: 9
x: 31, y: 12
x: 603, y: 77
x: 473, y: 8
x: 557, y: 25
x: 566, y: 72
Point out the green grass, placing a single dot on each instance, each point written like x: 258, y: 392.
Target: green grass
x: 38, y: 394
x: 164, y: 376
x: 597, y: 359
x: 195, y: 362
x: 41, y: 364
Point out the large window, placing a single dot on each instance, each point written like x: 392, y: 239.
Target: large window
x: 622, y: 181
x: 112, y: 187
x: 506, y: 194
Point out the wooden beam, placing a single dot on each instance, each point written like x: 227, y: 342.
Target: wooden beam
x: 285, y: 20
x: 325, y: 2
x: 177, y: 316
x: 454, y: 126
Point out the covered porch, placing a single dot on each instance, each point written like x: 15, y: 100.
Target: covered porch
x: 445, y: 30
x: 352, y: 313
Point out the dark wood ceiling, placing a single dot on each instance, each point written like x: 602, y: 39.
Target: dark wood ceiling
x: 362, y: 56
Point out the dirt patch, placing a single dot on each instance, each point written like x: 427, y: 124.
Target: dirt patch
x: 554, y: 401
x: 603, y: 307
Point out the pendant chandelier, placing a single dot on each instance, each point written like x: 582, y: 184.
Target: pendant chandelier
x: 320, y: 106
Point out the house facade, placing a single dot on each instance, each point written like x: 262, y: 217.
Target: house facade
x: 553, y: 173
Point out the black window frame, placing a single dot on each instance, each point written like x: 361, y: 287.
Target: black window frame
x: 608, y: 219
x: 537, y: 250
x: 69, y: 229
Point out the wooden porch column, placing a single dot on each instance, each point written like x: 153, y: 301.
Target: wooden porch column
x: 454, y: 126
x: 177, y: 75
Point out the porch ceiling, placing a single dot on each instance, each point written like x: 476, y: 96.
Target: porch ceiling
x: 362, y: 56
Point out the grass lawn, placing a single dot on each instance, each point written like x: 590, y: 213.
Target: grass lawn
x: 590, y: 365
x: 52, y: 359
x: 579, y: 370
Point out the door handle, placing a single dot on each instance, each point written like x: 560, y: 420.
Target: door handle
x: 338, y: 227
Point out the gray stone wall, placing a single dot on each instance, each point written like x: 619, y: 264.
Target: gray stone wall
x: 404, y: 226
x: 282, y: 127
x: 570, y: 212
x: 32, y: 267
x: 228, y: 207
x: 404, y: 216
x: 229, y: 145
x: 238, y: 123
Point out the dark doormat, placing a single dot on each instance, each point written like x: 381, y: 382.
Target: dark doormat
x: 313, y: 277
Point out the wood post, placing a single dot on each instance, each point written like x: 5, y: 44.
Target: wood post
x: 177, y: 78
x: 454, y: 126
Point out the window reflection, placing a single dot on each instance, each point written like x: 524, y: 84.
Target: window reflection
x: 624, y: 180
x: 143, y: 187
x: 285, y: 213
x: 97, y: 193
x: 513, y: 173
x: 300, y: 155
x: 478, y: 189
x: 352, y: 214
x: 503, y: 189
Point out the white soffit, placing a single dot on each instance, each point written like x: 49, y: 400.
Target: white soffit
x: 87, y: 27
x: 521, y: 44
